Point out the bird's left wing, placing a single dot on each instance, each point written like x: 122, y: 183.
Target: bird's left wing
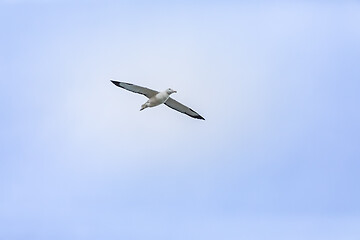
x: 182, y: 108
x: 136, y: 89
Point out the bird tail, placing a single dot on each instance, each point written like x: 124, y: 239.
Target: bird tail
x: 143, y: 106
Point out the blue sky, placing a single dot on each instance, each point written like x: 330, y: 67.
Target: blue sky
x: 277, y: 157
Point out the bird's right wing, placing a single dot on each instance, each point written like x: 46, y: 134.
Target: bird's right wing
x: 182, y: 108
x: 136, y: 89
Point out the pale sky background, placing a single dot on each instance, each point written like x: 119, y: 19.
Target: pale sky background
x: 278, y: 156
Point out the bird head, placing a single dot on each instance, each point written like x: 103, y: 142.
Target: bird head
x: 170, y: 91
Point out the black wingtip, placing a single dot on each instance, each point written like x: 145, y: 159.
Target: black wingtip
x: 200, y: 117
x: 197, y: 116
x: 115, y: 82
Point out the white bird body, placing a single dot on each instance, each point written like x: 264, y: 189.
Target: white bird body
x: 157, y: 98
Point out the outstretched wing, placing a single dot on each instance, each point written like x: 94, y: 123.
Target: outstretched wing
x: 136, y: 89
x: 182, y: 108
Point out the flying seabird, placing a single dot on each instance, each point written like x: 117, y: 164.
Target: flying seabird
x: 157, y: 98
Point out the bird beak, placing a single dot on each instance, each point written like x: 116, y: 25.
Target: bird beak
x: 175, y: 91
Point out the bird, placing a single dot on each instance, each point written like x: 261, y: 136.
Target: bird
x: 156, y: 98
